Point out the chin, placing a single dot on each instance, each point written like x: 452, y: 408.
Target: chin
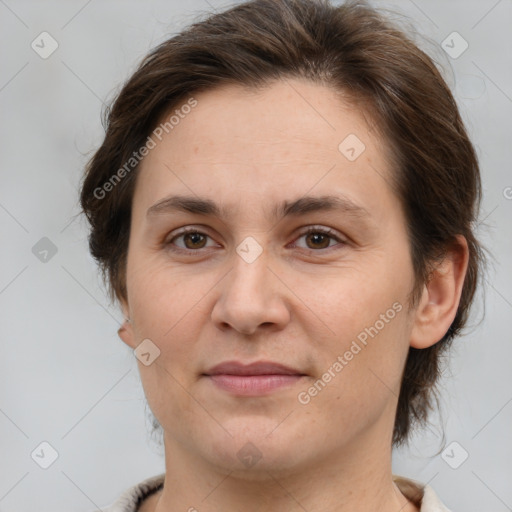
x: 256, y: 449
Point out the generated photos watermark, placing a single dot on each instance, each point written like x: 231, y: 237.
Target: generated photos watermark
x: 305, y: 397
x: 132, y: 162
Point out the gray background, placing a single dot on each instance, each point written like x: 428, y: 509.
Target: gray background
x: 68, y: 380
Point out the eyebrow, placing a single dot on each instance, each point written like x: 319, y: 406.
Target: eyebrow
x: 297, y: 207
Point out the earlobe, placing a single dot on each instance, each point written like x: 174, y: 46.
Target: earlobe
x: 125, y: 332
x: 441, y: 296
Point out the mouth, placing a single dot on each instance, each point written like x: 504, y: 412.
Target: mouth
x: 255, y: 379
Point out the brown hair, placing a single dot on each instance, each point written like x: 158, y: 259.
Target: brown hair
x: 355, y: 50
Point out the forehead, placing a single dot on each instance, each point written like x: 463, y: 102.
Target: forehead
x: 292, y: 134
x: 284, y: 113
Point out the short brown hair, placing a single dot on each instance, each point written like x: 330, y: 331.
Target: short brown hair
x: 353, y: 49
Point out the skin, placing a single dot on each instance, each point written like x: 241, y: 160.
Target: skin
x: 302, y: 303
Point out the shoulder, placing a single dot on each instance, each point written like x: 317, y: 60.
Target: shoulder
x: 131, y: 498
x: 422, y: 495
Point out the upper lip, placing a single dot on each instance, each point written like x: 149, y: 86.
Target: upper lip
x: 256, y: 368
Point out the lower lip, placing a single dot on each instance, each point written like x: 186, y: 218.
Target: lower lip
x: 253, y: 385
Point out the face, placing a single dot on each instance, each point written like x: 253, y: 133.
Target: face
x: 257, y: 238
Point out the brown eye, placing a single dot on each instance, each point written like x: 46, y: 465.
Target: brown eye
x: 318, y: 240
x: 190, y: 240
x: 194, y: 240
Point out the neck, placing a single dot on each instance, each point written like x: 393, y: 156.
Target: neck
x: 346, y: 481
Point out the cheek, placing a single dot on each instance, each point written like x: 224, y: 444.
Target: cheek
x: 362, y: 314
x: 169, y: 306
x: 352, y: 298
x: 162, y: 297
x: 359, y: 370
x: 166, y: 308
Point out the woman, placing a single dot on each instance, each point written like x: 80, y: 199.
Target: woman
x: 283, y: 207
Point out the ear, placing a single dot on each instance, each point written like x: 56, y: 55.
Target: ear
x: 125, y: 332
x: 441, y: 296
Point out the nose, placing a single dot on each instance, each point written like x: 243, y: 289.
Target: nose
x: 251, y: 298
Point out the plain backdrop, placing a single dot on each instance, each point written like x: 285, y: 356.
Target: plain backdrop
x: 67, y: 380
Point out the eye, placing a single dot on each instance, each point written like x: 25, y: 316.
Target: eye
x: 190, y: 239
x: 315, y: 238
x: 319, y: 238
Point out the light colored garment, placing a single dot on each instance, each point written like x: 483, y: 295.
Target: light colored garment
x: 412, y: 489
x: 423, y: 495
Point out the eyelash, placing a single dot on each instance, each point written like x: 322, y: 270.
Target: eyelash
x: 323, y: 231
x: 311, y: 229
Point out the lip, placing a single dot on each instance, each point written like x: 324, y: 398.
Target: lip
x: 255, y: 379
x: 256, y: 368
